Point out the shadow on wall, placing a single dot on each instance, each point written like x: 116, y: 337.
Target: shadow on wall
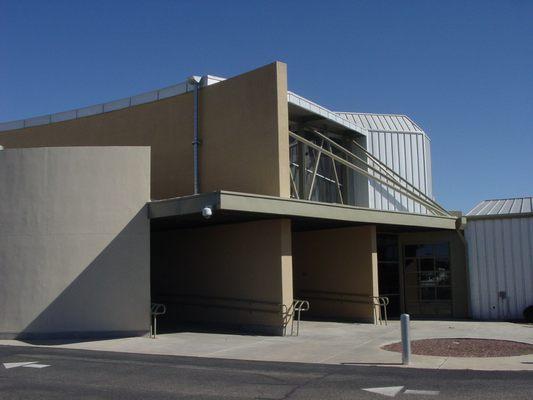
x: 109, y: 298
x: 391, y: 198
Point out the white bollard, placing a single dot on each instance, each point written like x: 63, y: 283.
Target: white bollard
x: 406, y: 341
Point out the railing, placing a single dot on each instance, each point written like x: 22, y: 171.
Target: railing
x: 380, y: 302
x: 221, y: 302
x: 375, y: 302
x: 156, y: 309
x: 288, y: 315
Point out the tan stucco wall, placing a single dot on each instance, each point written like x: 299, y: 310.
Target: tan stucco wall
x: 336, y: 264
x: 220, y: 266
x: 243, y: 128
x: 74, y: 258
x: 457, y: 264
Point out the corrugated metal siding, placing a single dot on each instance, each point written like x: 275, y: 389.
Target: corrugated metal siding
x: 500, y: 254
x: 404, y: 147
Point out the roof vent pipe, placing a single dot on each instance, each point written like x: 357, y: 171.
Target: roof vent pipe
x: 196, y: 82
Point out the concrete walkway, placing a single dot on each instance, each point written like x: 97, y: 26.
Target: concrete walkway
x: 325, y: 342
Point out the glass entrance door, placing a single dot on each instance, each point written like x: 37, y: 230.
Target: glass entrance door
x: 389, y: 272
x: 427, y: 280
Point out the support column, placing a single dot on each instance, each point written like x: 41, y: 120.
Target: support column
x: 235, y: 275
x: 336, y: 270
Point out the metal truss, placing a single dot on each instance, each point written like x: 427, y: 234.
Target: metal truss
x: 366, y: 165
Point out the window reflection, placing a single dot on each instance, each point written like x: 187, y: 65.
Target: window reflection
x: 427, y: 278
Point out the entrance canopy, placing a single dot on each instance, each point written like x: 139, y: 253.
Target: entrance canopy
x: 231, y: 207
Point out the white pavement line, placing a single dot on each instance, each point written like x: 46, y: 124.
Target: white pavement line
x: 18, y: 364
x: 423, y: 392
x: 389, y: 391
x: 35, y: 366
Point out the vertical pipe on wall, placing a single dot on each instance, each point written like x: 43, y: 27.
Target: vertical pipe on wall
x: 196, y: 140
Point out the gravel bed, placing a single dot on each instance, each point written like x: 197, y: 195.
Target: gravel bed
x: 463, y: 347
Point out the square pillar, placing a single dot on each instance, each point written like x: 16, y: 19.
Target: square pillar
x: 336, y: 270
x: 234, y: 275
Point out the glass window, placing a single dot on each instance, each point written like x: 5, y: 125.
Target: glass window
x: 411, y: 265
x: 443, y: 264
x: 427, y: 264
x: 427, y: 293
x: 425, y: 250
x: 443, y: 278
x: 387, y: 248
x: 410, y: 250
x: 444, y: 293
x: 441, y: 250
x: 427, y: 278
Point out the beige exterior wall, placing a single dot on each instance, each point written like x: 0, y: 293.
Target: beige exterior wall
x: 457, y: 264
x: 74, y: 258
x: 336, y: 270
x: 235, y: 275
x: 243, y: 128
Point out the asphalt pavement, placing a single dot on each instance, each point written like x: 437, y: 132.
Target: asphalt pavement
x: 51, y: 373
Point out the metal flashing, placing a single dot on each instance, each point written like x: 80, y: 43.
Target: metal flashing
x: 315, y: 108
x: 96, y: 109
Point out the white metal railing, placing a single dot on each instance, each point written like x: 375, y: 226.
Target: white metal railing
x: 289, y: 313
x: 380, y: 303
x: 156, y: 309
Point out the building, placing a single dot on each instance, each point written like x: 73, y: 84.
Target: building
x: 500, y: 242
x: 108, y: 208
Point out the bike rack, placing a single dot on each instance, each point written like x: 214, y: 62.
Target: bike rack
x: 156, y: 309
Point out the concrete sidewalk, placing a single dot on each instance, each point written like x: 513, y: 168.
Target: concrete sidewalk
x: 325, y: 342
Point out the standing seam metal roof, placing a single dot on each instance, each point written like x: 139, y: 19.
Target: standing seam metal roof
x: 521, y: 205
x: 383, y: 122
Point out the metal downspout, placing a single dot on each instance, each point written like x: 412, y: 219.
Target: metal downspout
x: 196, y: 138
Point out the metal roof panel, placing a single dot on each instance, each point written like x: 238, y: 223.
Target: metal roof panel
x: 503, y: 207
x: 383, y: 122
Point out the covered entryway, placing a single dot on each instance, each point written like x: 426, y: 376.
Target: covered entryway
x: 245, y: 264
x: 226, y: 276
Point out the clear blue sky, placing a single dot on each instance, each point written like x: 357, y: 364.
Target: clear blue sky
x: 461, y: 69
